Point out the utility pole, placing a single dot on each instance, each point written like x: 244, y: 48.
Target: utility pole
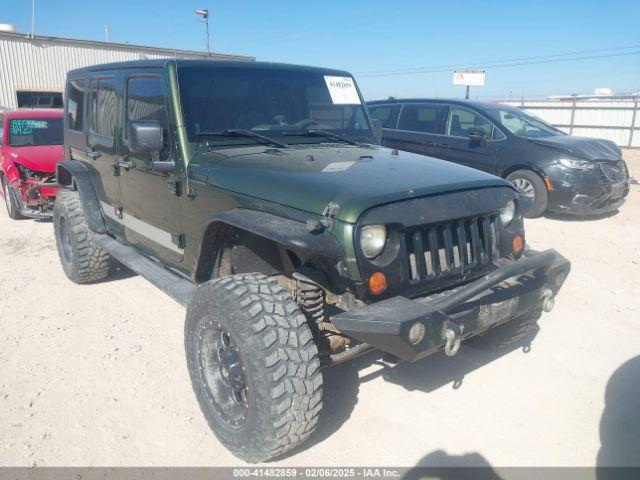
x: 205, y: 19
x: 33, y: 18
x: 466, y: 97
x: 106, y: 33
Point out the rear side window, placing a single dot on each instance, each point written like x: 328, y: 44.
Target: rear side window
x: 423, y: 118
x: 463, y: 122
x: 75, y: 105
x: 145, y: 100
x: 387, y: 114
x: 104, y: 106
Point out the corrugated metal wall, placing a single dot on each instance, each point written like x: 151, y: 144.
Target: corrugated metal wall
x: 612, y: 118
x: 42, y: 64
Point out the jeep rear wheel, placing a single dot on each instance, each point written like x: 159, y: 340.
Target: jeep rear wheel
x: 11, y: 200
x: 83, y: 261
x: 253, y: 365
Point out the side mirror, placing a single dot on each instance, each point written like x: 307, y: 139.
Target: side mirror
x: 478, y: 139
x: 144, y: 136
x: 377, y: 128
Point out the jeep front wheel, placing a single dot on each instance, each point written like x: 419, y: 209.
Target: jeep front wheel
x: 253, y: 365
x: 83, y: 261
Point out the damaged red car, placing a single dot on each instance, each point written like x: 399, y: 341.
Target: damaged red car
x: 30, y: 147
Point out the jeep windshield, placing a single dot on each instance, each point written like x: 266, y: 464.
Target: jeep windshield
x: 288, y: 105
x: 35, y: 132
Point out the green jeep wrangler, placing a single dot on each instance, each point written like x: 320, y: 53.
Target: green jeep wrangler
x: 257, y: 195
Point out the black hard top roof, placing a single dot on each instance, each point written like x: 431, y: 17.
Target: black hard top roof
x: 159, y: 63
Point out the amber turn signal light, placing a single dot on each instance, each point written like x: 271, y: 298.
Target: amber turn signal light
x: 377, y: 283
x: 518, y: 244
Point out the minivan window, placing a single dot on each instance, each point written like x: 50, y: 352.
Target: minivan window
x: 104, y: 106
x: 35, y: 132
x: 75, y: 104
x: 145, y: 100
x: 385, y: 114
x: 463, y: 122
x: 423, y: 118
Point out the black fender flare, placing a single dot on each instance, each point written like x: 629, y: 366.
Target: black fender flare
x: 80, y: 177
x: 289, y: 234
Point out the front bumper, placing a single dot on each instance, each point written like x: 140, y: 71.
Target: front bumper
x: 586, y: 192
x: 508, y: 292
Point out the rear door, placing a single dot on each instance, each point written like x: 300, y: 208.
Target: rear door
x: 101, y: 149
x: 151, y: 210
x: 461, y: 144
x: 419, y: 130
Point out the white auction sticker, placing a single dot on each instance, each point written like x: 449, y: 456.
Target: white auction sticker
x: 342, y: 90
x: 337, y: 167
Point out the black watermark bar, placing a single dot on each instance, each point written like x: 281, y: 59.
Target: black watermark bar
x: 319, y: 473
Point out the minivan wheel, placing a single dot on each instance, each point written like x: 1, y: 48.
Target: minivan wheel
x: 11, y: 200
x: 83, y: 261
x: 531, y: 185
x: 253, y: 365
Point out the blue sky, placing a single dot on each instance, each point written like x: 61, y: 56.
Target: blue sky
x: 372, y: 36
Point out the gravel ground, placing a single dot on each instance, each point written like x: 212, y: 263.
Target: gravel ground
x: 96, y: 375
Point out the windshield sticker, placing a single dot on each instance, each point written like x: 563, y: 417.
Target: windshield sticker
x: 26, y: 127
x: 342, y: 90
x: 337, y: 167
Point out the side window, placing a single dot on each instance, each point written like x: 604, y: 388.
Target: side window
x: 75, y: 105
x: 463, y: 122
x: 498, y: 135
x: 146, y: 100
x: 423, y: 118
x: 387, y: 114
x: 103, y: 107
x: 1, y: 129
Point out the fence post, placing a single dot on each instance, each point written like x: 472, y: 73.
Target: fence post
x: 573, y: 115
x: 633, y: 122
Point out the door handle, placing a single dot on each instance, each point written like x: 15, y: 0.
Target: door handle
x: 124, y: 162
x: 92, y: 154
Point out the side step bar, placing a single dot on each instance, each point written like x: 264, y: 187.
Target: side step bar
x: 177, y: 287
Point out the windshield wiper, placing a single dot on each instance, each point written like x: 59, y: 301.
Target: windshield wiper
x: 244, y: 133
x: 314, y: 132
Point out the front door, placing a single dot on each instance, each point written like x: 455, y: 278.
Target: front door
x: 469, y: 140
x: 151, y: 211
x: 420, y: 129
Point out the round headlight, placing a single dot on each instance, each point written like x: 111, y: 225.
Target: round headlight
x: 508, y: 212
x: 372, y: 240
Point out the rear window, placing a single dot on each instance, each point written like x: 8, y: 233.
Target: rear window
x: 33, y: 132
x: 386, y: 114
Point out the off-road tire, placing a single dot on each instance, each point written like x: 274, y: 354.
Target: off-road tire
x: 507, y: 333
x: 280, y: 360
x: 11, y: 200
x: 541, y: 196
x: 83, y: 261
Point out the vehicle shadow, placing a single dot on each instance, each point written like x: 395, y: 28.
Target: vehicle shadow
x: 118, y: 271
x: 566, y: 217
x: 620, y: 421
x: 440, y: 465
x: 342, y: 382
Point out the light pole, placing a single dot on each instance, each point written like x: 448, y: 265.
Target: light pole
x: 205, y: 18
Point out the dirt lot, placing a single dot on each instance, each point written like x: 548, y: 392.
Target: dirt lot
x: 96, y: 375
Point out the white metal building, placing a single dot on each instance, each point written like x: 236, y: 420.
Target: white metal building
x: 33, y: 70
x: 612, y: 117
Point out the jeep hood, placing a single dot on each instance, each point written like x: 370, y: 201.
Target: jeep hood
x: 39, y: 159
x: 581, y: 147
x: 347, y: 179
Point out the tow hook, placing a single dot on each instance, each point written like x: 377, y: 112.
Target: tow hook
x: 452, y: 334
x: 548, y: 300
